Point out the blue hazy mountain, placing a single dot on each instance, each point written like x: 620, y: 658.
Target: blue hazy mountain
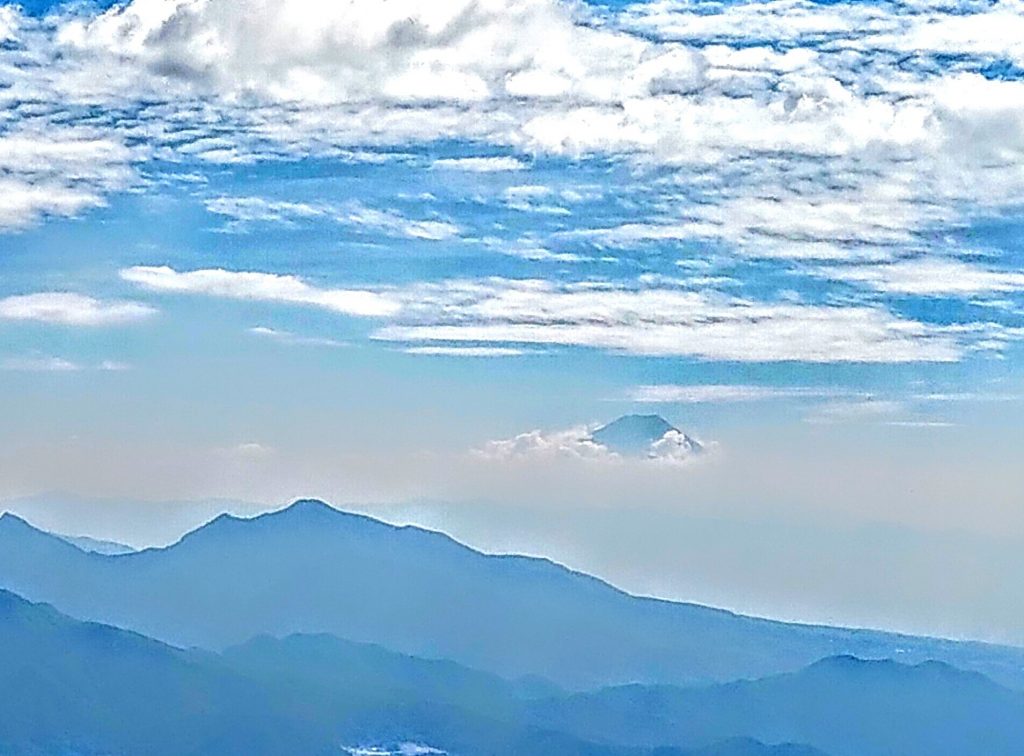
x: 70, y: 687
x: 635, y: 435
x: 843, y: 705
x: 97, y: 546
x: 313, y: 569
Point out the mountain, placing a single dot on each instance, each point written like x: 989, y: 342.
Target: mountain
x: 89, y: 689
x: 312, y: 569
x: 645, y: 436
x: 842, y: 705
x: 85, y: 543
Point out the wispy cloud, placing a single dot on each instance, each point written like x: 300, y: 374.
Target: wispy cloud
x: 51, y: 364
x: 245, y: 211
x: 659, y: 321
x: 40, y: 365
x: 65, y: 308
x: 726, y: 393
x: 929, y: 276
x: 265, y: 287
x: 287, y: 337
x: 635, y: 319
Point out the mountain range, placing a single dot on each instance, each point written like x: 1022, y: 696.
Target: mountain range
x: 90, y: 689
x: 313, y: 569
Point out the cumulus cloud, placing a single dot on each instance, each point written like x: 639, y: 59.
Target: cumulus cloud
x: 570, y: 443
x: 404, y: 51
x: 65, y: 308
x: 576, y: 443
x: 674, y: 446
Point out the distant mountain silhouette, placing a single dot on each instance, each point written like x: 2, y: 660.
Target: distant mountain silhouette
x: 85, y: 543
x: 842, y: 705
x: 312, y: 569
x: 638, y: 435
x: 89, y: 689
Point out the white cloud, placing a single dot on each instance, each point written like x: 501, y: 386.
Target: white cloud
x: 571, y: 443
x: 929, y: 276
x: 675, y: 447
x: 114, y: 366
x: 480, y: 164
x: 247, y: 210
x: 869, y: 410
x: 287, y: 337
x: 394, y: 223
x: 65, y: 308
x: 242, y: 210
x: 404, y: 51
x: 56, y: 169
x: 773, y: 20
x: 763, y: 131
x: 244, y: 452
x: 576, y: 444
x: 723, y: 393
x: 641, y: 318
x: 260, y: 287
x: 996, y: 28
x: 661, y: 322
x: 10, y: 20
x: 40, y: 365
x: 50, y: 364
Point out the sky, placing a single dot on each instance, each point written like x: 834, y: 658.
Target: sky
x: 405, y: 256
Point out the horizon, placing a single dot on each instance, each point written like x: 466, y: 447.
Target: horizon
x: 290, y: 506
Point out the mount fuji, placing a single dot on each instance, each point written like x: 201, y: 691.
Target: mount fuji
x: 645, y: 436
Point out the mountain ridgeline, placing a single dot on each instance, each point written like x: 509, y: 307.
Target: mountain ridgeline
x: 313, y: 569
x: 311, y: 630
x: 90, y: 689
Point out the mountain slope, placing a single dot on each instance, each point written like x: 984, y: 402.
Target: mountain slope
x: 84, y: 688
x: 85, y: 543
x: 89, y: 689
x: 638, y: 436
x: 843, y: 705
x: 313, y: 569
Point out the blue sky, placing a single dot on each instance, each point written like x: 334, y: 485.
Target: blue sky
x: 341, y: 252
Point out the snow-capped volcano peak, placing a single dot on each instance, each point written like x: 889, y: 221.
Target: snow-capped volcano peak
x: 649, y: 436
